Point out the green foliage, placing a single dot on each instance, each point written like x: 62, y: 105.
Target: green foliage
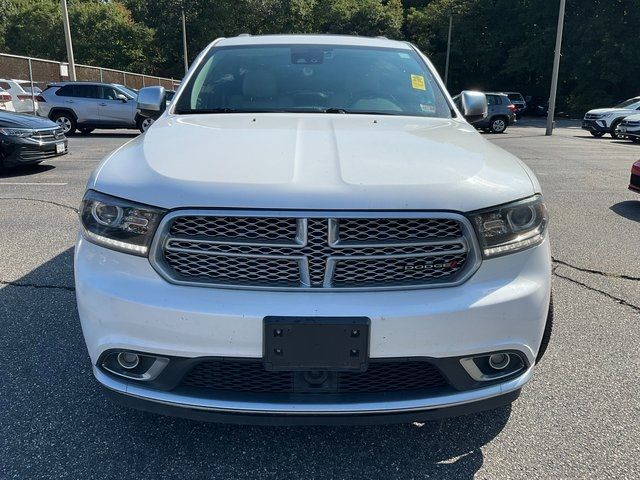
x: 497, y: 44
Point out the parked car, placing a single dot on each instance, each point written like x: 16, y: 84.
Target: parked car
x: 90, y: 105
x: 518, y: 100
x: 629, y: 128
x: 6, y: 101
x: 22, y: 100
x: 27, y: 139
x: 537, y: 106
x: 501, y: 113
x: 606, y: 120
x: 634, y: 182
x: 312, y: 232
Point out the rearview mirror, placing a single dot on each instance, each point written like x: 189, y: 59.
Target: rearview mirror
x: 151, y: 102
x: 472, y: 105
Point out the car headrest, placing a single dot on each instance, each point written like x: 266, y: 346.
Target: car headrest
x: 259, y: 84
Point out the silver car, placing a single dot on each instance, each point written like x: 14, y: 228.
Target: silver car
x: 89, y: 105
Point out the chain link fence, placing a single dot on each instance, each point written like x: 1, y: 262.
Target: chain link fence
x: 42, y: 72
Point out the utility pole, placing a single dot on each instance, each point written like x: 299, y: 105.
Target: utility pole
x: 67, y: 38
x: 446, y: 68
x: 556, y: 70
x: 184, y: 41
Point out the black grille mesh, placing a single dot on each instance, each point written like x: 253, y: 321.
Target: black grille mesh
x: 249, y: 376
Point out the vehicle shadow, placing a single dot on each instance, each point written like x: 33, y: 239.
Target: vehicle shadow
x: 25, y: 170
x: 629, y: 209
x: 108, y: 134
x: 56, y: 422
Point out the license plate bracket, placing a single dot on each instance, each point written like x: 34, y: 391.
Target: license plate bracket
x: 316, y: 343
x: 59, y: 147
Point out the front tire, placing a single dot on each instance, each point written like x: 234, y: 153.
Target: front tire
x: 597, y: 134
x: 548, y: 330
x: 614, y: 125
x: 498, y: 125
x: 144, y: 123
x: 66, y: 121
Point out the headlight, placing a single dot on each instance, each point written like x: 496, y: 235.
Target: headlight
x: 512, y: 227
x: 16, y: 132
x: 118, y: 224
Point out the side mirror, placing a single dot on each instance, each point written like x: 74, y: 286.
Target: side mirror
x: 151, y: 102
x: 122, y: 98
x: 473, y: 105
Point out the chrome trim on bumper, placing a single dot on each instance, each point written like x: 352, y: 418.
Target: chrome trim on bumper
x: 371, y: 407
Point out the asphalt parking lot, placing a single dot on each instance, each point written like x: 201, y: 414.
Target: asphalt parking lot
x: 578, y: 418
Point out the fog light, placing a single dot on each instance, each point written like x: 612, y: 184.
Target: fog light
x: 128, y: 360
x: 499, y: 361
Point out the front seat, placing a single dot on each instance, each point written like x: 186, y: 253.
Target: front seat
x: 259, y: 91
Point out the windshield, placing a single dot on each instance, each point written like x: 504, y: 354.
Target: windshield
x: 629, y: 103
x: 129, y: 92
x: 313, y: 78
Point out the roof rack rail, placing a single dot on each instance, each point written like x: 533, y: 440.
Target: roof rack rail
x: 382, y: 37
x: 244, y: 35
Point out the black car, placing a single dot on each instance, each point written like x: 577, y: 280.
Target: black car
x: 25, y: 139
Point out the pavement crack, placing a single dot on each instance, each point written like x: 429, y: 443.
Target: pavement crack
x: 596, y: 272
x: 41, y: 201
x: 36, y: 285
x: 619, y: 300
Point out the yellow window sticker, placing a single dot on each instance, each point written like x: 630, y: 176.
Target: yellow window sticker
x: 417, y: 82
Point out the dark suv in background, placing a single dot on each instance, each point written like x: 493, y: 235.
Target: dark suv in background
x: 89, y: 105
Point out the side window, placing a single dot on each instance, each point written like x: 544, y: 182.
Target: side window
x: 87, y: 91
x: 66, y: 91
x: 108, y: 93
x: 491, y: 100
x: 498, y: 100
x: 5, y: 85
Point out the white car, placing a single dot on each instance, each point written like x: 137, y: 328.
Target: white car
x: 22, y: 100
x: 606, y: 120
x: 6, y: 101
x: 629, y: 128
x: 312, y: 232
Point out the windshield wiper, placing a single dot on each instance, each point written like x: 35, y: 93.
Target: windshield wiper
x: 220, y: 110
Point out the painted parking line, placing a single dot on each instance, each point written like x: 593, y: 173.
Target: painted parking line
x: 33, y: 183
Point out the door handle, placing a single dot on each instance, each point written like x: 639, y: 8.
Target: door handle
x: 70, y: 101
x: 102, y: 104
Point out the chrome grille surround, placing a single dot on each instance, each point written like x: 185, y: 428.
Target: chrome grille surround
x: 441, y: 250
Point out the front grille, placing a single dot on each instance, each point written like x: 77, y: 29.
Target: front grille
x: 314, y: 253
x: 628, y: 123
x: 27, y: 153
x: 592, y: 116
x: 249, y: 376
x: 48, y: 135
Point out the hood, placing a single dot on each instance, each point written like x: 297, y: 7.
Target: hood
x: 633, y: 118
x: 610, y: 111
x: 20, y: 120
x: 313, y: 161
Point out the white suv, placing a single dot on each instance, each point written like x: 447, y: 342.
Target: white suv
x: 312, y: 232
x: 606, y: 120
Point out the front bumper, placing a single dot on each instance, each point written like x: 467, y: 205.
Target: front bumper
x: 598, y: 126
x: 626, y: 131
x: 634, y: 181
x: 124, y: 304
x: 26, y: 151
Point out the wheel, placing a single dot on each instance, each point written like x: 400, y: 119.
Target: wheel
x: 66, y: 121
x: 597, y: 134
x: 546, y: 336
x: 498, y: 125
x: 614, y: 125
x: 86, y: 131
x: 144, y: 123
x: 635, y: 139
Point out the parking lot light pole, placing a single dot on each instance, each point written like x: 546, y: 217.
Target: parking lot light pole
x: 184, y: 42
x: 67, y: 38
x: 446, y: 68
x: 556, y: 70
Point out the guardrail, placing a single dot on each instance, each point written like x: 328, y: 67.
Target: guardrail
x: 40, y: 72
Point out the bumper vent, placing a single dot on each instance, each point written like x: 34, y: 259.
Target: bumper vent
x: 247, y: 376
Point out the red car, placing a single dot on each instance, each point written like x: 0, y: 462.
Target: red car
x: 634, y: 183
